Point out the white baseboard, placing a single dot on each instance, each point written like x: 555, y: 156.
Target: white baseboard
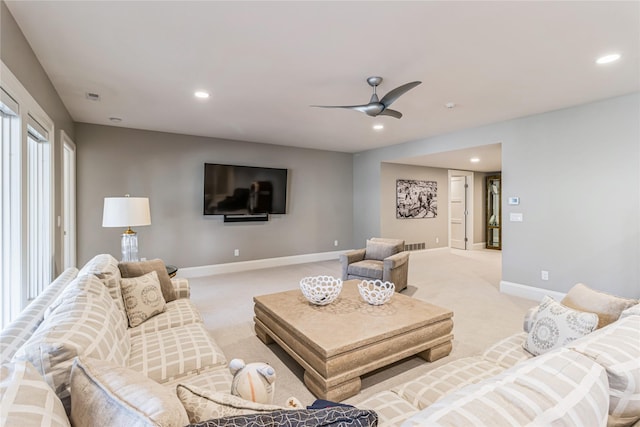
x: 234, y: 267
x: 478, y: 246
x: 528, y: 292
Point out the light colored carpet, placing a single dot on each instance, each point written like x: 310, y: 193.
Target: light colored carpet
x: 466, y: 282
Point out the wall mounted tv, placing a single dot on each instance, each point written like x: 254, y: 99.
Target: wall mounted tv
x: 232, y: 190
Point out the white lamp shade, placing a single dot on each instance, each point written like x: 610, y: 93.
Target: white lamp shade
x: 126, y: 212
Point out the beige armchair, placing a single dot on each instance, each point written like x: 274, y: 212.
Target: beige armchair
x: 383, y: 259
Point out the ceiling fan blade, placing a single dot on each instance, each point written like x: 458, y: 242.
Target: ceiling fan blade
x: 367, y: 108
x: 390, y: 112
x: 396, y: 93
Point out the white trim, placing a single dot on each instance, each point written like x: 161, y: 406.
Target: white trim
x: 479, y: 246
x: 469, y: 198
x: 234, y: 267
x: 528, y: 292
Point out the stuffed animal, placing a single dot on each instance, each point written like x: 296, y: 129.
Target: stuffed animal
x: 253, y: 381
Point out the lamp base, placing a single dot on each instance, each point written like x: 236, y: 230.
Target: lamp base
x: 129, y: 246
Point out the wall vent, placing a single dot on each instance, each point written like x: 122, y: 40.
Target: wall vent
x: 414, y: 246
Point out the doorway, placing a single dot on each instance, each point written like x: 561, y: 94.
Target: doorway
x: 460, y: 214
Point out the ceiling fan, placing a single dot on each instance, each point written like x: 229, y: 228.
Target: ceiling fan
x: 377, y: 107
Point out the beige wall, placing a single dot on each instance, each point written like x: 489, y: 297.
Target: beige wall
x: 416, y: 230
x: 17, y: 55
x: 168, y: 168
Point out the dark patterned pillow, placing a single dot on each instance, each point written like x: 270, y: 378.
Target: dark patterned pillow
x: 327, y: 417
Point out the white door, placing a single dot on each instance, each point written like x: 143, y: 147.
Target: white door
x: 69, y: 201
x: 458, y: 212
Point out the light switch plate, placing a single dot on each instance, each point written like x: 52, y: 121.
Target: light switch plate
x: 515, y: 217
x: 514, y: 201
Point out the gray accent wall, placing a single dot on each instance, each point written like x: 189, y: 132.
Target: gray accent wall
x: 17, y: 55
x: 169, y: 168
x: 577, y: 173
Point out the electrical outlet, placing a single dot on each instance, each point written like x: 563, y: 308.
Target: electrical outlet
x: 437, y: 240
x: 236, y: 252
x: 544, y: 275
x: 335, y: 243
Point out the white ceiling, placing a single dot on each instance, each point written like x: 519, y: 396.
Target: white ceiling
x: 265, y: 63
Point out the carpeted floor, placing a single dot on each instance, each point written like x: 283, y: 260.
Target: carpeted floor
x: 465, y: 281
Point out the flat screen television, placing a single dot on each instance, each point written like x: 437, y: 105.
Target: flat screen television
x: 244, y: 190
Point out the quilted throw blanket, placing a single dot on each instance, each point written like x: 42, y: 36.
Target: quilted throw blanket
x: 329, y: 417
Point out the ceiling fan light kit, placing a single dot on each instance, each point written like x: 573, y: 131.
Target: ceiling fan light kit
x: 378, y: 107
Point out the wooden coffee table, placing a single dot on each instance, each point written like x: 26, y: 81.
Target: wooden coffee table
x: 339, y: 342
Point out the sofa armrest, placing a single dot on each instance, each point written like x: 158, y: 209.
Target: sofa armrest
x: 396, y: 260
x: 349, y: 258
x: 181, y: 287
x: 353, y: 256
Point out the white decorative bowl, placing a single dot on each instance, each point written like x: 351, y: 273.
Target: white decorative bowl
x: 321, y: 290
x: 376, y: 292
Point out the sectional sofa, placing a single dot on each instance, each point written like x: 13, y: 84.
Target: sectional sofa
x: 82, y: 314
x: 72, y: 358
x: 590, y: 381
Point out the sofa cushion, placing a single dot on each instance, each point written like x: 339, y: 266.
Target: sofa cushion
x: 616, y: 347
x: 377, y: 250
x: 202, y: 404
x: 371, y: 269
x: 509, y: 351
x: 104, y: 394
x: 634, y: 310
x: 561, y: 387
x: 391, y: 408
x: 139, y: 268
x: 142, y: 298
x: 88, y: 324
x: 607, y: 307
x: 428, y: 388
x: 556, y: 326
x: 27, y: 400
x: 105, y: 268
x: 174, y: 353
x: 215, y: 378
x: 177, y: 313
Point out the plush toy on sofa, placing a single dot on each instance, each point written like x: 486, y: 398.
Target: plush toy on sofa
x: 253, y: 381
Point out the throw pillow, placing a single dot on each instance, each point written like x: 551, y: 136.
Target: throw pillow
x: 105, y: 394
x: 202, y: 404
x: 606, y: 306
x: 139, y: 268
x: 142, y: 298
x: 26, y: 399
x: 557, y: 325
x: 379, y: 250
x: 328, y: 417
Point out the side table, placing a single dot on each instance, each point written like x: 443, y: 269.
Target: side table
x: 171, y: 270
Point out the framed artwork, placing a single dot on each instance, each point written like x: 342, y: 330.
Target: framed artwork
x: 416, y: 198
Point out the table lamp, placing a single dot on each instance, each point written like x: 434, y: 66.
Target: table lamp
x: 127, y: 212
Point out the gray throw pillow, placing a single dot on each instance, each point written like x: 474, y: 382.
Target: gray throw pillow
x: 140, y: 268
x: 379, y: 250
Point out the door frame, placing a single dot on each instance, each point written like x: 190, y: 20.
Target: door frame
x: 468, y: 206
x: 69, y: 248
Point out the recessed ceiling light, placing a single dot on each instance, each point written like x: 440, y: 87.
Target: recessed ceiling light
x: 474, y: 160
x: 378, y: 126
x: 201, y: 94
x: 608, y: 58
x: 115, y: 119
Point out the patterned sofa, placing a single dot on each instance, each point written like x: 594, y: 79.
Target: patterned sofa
x: 590, y: 381
x: 82, y: 314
